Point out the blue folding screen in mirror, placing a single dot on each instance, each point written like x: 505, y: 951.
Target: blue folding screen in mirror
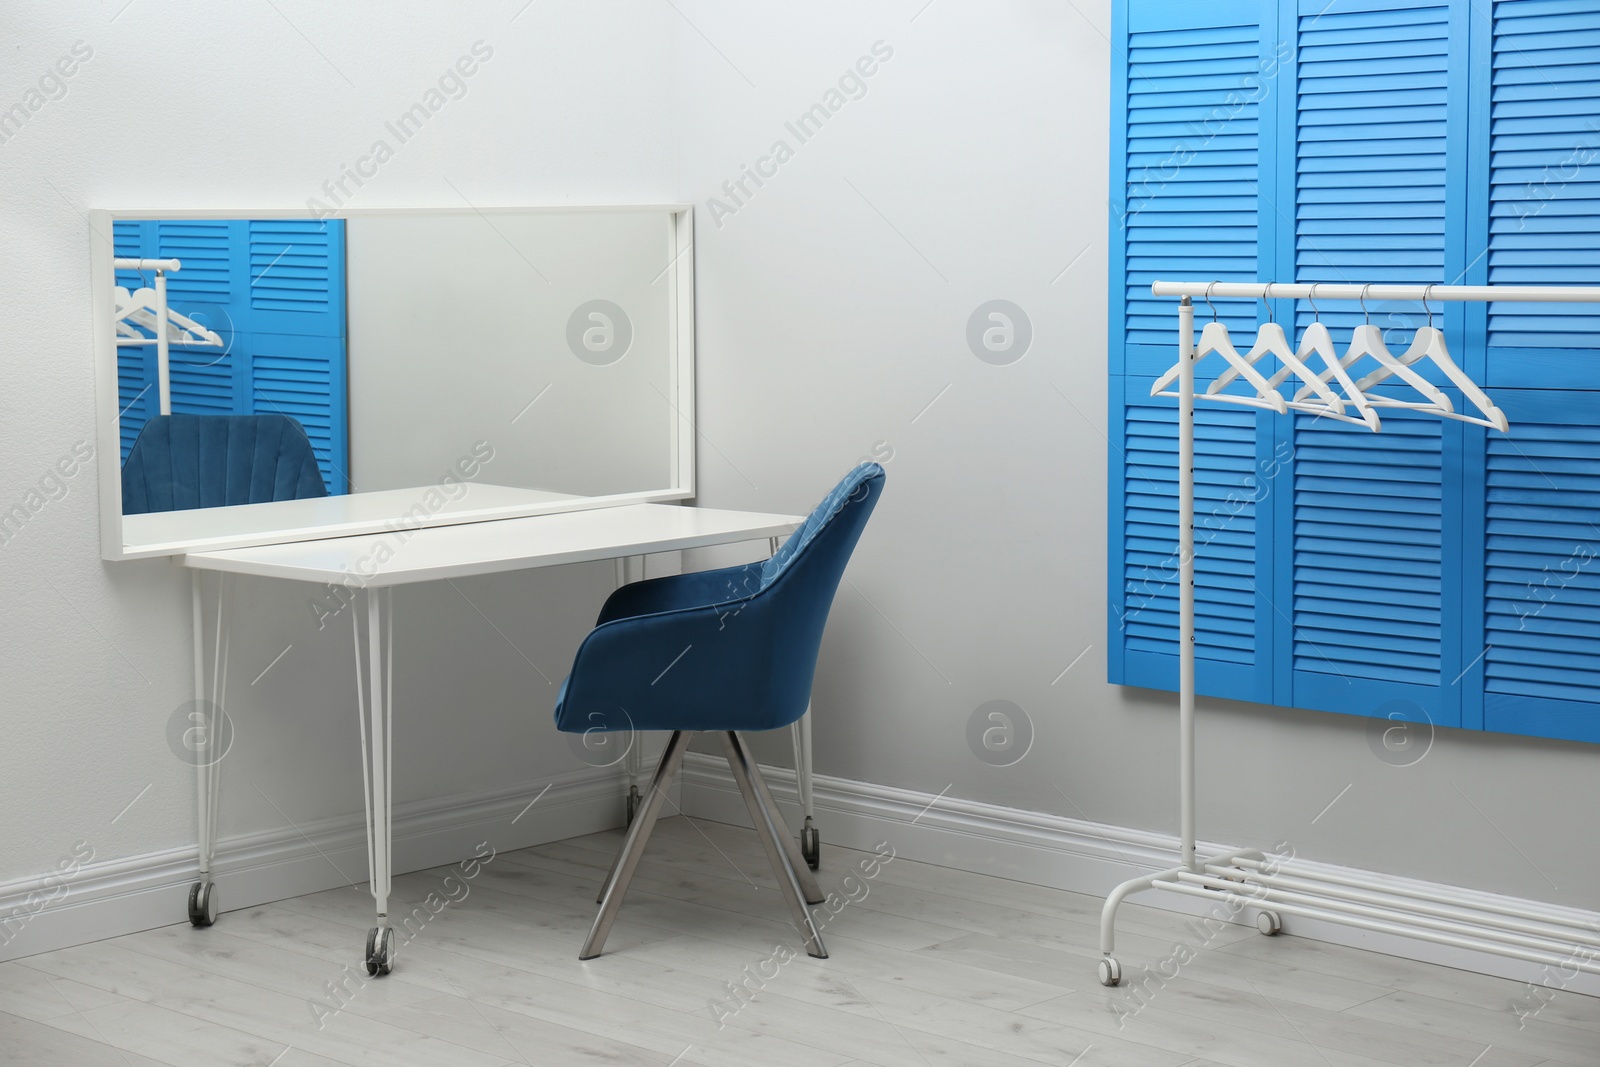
x: 268, y: 376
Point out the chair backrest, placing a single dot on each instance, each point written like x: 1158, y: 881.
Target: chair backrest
x: 857, y: 494
x: 800, y: 581
x: 180, y: 462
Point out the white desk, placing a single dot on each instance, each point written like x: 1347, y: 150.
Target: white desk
x: 370, y: 566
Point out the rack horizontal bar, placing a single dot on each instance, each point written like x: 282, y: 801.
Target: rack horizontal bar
x: 1538, y: 294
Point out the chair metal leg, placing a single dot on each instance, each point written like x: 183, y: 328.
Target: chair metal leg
x: 638, y: 833
x: 747, y: 774
x: 600, y: 897
x: 802, y: 870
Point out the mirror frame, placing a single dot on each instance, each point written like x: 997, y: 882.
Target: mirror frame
x: 680, y: 281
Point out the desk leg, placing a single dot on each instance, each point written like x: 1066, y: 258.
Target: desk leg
x: 631, y: 569
x: 205, y: 739
x: 375, y: 706
x: 810, y: 840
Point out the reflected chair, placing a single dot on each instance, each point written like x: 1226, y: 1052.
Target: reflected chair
x: 180, y: 462
x: 719, y: 652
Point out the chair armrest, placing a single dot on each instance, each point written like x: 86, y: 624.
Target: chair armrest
x: 677, y: 591
x: 682, y: 668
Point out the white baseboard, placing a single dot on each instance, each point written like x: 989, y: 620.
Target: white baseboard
x: 1065, y: 853
x: 143, y: 892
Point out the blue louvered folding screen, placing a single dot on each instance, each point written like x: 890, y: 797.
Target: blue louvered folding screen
x: 1437, y: 566
x: 274, y: 291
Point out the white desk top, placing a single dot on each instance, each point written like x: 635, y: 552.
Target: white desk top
x: 439, y: 552
x: 164, y: 533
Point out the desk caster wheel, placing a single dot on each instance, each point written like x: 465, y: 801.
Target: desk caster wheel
x: 1269, y: 923
x: 202, y: 904
x: 380, y: 951
x: 811, y: 846
x: 633, y: 803
x: 1110, y: 971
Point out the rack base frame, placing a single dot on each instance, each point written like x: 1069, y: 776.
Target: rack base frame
x: 1275, y: 886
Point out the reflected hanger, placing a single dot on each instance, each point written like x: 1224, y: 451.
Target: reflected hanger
x: 139, y: 309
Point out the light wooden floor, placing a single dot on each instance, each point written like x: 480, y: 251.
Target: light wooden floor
x: 929, y: 967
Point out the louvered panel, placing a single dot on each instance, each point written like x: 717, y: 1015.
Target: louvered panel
x: 135, y: 388
x: 1193, y: 149
x: 1371, y: 108
x: 1542, y: 562
x: 127, y: 242
x: 202, y: 246
x: 136, y: 395
x: 1367, y: 527
x: 1544, y: 168
x: 202, y: 382
x: 289, y: 265
x: 293, y: 376
x: 1225, y: 533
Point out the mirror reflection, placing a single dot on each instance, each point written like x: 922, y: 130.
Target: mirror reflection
x: 431, y: 360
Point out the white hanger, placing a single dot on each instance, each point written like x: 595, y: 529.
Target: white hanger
x: 139, y: 308
x: 1367, y: 340
x: 1429, y: 343
x: 1316, y: 341
x: 1215, y: 338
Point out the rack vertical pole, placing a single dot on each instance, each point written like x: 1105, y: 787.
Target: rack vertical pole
x: 163, y: 353
x: 1186, y: 757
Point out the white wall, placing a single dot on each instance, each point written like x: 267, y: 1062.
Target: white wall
x: 832, y: 311
x: 975, y: 168
x: 197, y: 105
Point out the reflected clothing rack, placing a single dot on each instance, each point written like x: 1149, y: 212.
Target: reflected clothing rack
x: 161, y: 323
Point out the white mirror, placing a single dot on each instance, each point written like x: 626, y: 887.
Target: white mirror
x: 267, y: 376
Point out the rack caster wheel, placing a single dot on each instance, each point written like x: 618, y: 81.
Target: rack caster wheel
x: 202, y: 904
x: 811, y: 846
x: 633, y: 802
x: 1110, y: 971
x: 1269, y: 923
x: 380, y: 951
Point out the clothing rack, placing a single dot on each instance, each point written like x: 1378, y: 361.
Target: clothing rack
x: 1535, y: 933
x: 169, y: 327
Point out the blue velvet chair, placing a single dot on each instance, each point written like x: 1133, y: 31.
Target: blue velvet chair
x: 719, y: 651
x: 180, y: 462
